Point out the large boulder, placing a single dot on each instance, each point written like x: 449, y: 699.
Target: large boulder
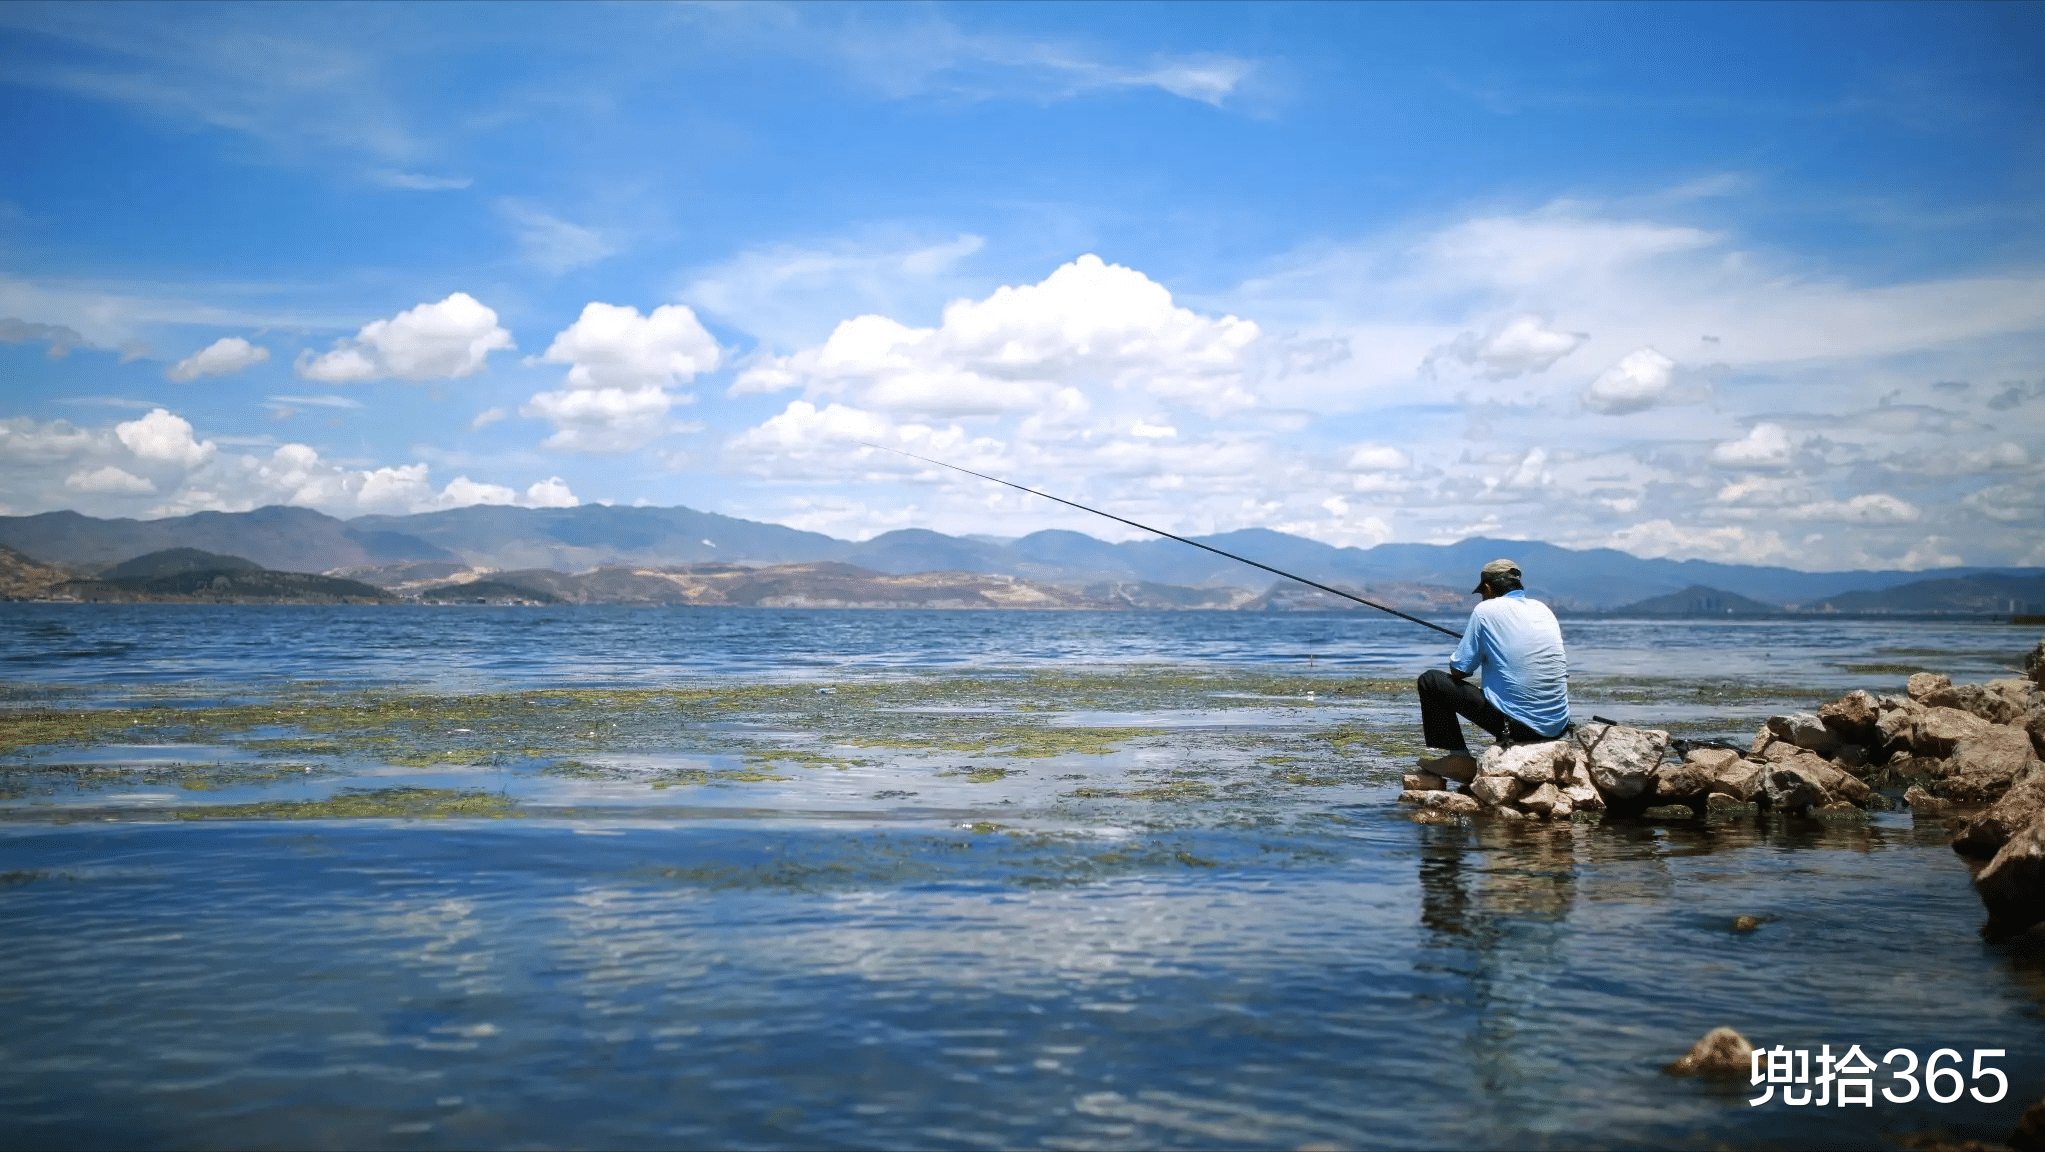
x: 2021, y: 806
x: 1531, y: 764
x: 1898, y: 720
x: 1548, y: 801
x: 1574, y: 781
x: 1940, y: 730
x: 1493, y: 791
x: 1924, y: 684
x: 1789, y: 790
x: 2034, y: 664
x: 1983, y: 767
x: 1804, y: 730
x: 1852, y: 717
x: 1681, y: 781
x: 1838, y: 784
x: 1623, y: 758
x: 1740, y: 779
x: 2013, y: 884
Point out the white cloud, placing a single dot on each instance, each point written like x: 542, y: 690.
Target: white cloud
x: 1867, y: 508
x: 60, y: 337
x: 161, y: 437
x: 1640, y: 380
x: 552, y: 244
x: 791, y: 296
x: 1088, y: 323
x: 487, y: 417
x: 621, y: 365
x: 1766, y: 445
x: 1656, y: 539
x: 1379, y: 458
x: 417, y: 182
x: 442, y: 341
x: 1520, y: 346
x: 550, y: 493
x: 109, y: 480
x: 224, y: 357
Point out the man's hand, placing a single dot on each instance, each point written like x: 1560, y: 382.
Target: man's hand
x: 1458, y: 677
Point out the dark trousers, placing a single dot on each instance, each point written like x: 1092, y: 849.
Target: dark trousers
x: 1442, y: 699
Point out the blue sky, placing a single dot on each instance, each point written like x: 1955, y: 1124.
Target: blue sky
x: 1746, y: 282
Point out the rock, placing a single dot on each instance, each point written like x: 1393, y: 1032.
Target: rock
x: 1922, y: 801
x: 1781, y: 750
x: 2005, y: 702
x: 1982, y: 767
x: 1908, y: 767
x: 2021, y: 806
x: 1432, y: 816
x: 1838, y: 811
x: 1850, y: 758
x: 1740, y: 779
x: 1669, y: 812
x: 1531, y: 764
x: 1761, y: 740
x: 2013, y: 884
x: 1454, y: 803
x: 1681, y: 781
x: 2034, y: 664
x: 2030, y: 1133
x: 1423, y: 782
x: 1898, y: 721
x: 1492, y: 791
x: 1839, y: 784
x: 1711, y: 758
x: 1939, y: 730
x: 1720, y: 804
x: 1789, y: 790
x: 1804, y: 730
x: 1622, y: 758
x: 1548, y: 801
x: 1852, y: 717
x: 1508, y: 812
x: 1722, y: 1052
x: 1575, y: 782
x: 1925, y: 683
x: 1746, y: 923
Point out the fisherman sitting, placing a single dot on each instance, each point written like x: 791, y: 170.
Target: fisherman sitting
x: 1517, y: 645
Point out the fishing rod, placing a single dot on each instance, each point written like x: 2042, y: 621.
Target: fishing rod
x: 1171, y: 536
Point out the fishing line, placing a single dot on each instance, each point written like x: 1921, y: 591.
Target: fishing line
x: 1171, y: 536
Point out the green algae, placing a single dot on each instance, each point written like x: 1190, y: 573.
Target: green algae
x: 402, y: 803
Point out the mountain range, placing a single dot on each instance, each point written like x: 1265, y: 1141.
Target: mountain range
x: 567, y: 540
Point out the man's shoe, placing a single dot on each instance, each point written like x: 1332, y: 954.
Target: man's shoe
x: 1454, y: 766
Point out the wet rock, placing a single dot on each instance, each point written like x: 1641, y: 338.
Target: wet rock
x: 1740, y: 779
x: 1789, y: 790
x: 1939, y: 730
x: 1722, y: 1052
x: 1622, y: 758
x: 1898, y: 721
x: 1746, y: 923
x: 1547, y: 801
x: 2013, y: 884
x: 1722, y: 805
x: 1852, y: 717
x: 1423, y: 782
x: 1983, y: 767
x: 1804, y: 730
x: 1531, y: 764
x: 1924, y: 684
x: 1908, y: 767
x: 1450, y: 802
x: 2021, y: 806
x: 2030, y: 1133
x: 1922, y: 801
x: 2034, y: 664
x: 1851, y: 758
x: 1669, y: 812
x: 1839, y: 784
x: 1433, y: 816
x: 1843, y: 811
x: 1508, y: 812
x: 1575, y: 783
x: 1681, y: 781
x: 1492, y: 791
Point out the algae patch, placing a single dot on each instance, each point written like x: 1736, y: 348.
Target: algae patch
x: 404, y: 803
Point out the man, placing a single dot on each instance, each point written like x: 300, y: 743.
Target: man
x: 1517, y: 645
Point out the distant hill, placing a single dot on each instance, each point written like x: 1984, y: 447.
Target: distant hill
x: 22, y: 578
x: 1697, y: 600
x: 827, y: 584
x: 569, y: 540
x: 1977, y: 595
x: 177, y: 562
x: 284, y: 539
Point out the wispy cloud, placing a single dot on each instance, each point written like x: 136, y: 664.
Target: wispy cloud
x: 550, y: 243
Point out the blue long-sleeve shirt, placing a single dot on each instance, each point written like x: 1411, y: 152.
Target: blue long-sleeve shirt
x: 1517, y: 644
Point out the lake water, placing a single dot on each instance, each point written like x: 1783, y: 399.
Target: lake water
x: 539, y: 878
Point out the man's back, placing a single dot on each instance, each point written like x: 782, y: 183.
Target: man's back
x: 1517, y: 643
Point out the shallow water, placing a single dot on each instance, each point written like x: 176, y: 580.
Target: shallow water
x: 367, y: 877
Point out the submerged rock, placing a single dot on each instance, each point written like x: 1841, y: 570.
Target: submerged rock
x: 1922, y: 801
x: 1451, y: 802
x: 1423, y: 782
x: 2021, y: 806
x: 2013, y: 885
x: 1839, y: 810
x: 1746, y: 923
x: 1720, y: 804
x: 1722, y: 1052
x: 1669, y: 812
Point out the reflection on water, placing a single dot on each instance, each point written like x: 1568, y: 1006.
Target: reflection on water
x: 1266, y: 953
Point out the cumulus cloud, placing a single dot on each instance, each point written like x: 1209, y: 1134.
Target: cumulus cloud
x: 1379, y: 458
x: 1640, y: 380
x: 1764, y: 446
x: 1520, y: 346
x: 441, y: 341
x: 1089, y: 323
x: 1867, y: 508
x: 224, y: 357
x: 109, y: 480
x: 621, y: 366
x: 164, y: 438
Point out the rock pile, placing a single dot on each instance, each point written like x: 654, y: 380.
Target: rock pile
x: 1974, y: 750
